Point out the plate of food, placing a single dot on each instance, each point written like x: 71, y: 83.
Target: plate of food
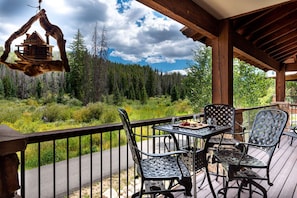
x: 192, y: 125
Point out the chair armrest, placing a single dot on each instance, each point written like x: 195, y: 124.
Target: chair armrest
x: 153, y: 136
x: 293, y: 128
x: 246, y: 144
x: 242, y: 146
x: 168, y: 135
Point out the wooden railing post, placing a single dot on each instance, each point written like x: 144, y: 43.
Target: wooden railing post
x: 10, y: 142
x: 237, y: 127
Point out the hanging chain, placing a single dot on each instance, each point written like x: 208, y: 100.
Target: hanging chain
x: 39, y: 5
x: 39, y: 2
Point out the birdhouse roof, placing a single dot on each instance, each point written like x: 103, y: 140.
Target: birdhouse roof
x: 34, y: 38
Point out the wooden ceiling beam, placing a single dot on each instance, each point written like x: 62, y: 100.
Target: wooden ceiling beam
x: 291, y: 67
x: 284, y: 33
x: 280, y: 45
x: 202, y: 26
x: 247, y: 49
x: 267, y: 20
x: 188, y: 32
x: 285, y: 50
x: 242, y: 24
x: 284, y: 56
x: 187, y: 13
x: 287, y: 22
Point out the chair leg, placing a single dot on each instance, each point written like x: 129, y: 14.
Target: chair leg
x: 203, y: 180
x: 259, y: 187
x: 217, y: 176
x: 141, y: 189
x: 224, y: 189
x: 187, y: 183
x: 135, y: 195
x: 251, y: 182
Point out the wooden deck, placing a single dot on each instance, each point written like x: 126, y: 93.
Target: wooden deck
x: 283, y: 173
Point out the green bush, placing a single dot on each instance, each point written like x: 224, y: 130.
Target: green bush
x: 110, y: 115
x: 56, y: 112
x: 28, y: 116
x: 92, y: 111
x: 10, y: 114
x: 48, y: 98
x: 74, y: 102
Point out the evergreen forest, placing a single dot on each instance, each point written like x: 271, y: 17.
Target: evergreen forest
x: 90, y: 93
x: 92, y: 78
x: 96, y: 85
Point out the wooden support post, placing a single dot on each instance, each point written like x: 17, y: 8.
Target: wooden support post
x: 222, y: 66
x: 11, y: 142
x: 280, y: 85
x: 9, y: 181
x: 238, y: 128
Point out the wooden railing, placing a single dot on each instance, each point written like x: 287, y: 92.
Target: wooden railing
x: 96, y: 169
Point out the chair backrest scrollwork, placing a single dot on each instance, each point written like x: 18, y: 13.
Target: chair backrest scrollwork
x: 130, y: 137
x: 223, y: 114
x: 267, y: 128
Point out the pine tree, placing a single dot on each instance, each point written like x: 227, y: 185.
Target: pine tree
x: 74, y: 79
x: 174, y: 94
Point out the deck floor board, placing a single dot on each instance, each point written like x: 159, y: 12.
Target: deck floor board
x: 283, y: 174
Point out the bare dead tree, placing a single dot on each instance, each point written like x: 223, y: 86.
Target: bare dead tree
x: 99, y: 63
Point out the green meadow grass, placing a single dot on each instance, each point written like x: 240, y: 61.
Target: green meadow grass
x: 31, y: 116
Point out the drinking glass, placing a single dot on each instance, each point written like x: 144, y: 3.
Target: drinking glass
x: 212, y: 121
x: 175, y: 122
x: 194, y: 117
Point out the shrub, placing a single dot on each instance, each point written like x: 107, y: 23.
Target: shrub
x: 96, y: 110
x: 48, y: 98
x: 10, y: 114
x: 56, y: 112
x: 110, y: 115
x: 74, y: 102
x: 92, y: 111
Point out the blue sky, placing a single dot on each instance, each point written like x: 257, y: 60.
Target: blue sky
x: 136, y: 34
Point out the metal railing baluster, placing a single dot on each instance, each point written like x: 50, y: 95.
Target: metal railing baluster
x: 101, y: 177
x: 54, y: 168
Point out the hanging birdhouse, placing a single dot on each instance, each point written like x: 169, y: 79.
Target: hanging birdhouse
x: 34, y: 53
x: 34, y: 47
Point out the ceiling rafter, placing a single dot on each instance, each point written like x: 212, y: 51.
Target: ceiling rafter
x: 273, y: 28
x: 281, y: 45
x: 267, y: 20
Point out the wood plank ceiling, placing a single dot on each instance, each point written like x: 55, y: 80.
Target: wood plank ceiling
x: 272, y: 30
x: 265, y: 37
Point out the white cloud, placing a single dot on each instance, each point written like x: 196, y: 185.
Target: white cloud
x: 124, y: 56
x: 181, y: 71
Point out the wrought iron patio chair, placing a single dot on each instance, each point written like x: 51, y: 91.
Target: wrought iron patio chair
x: 155, y: 169
x: 241, y: 165
x: 222, y: 115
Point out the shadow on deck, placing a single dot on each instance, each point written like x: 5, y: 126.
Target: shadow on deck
x: 283, y: 174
